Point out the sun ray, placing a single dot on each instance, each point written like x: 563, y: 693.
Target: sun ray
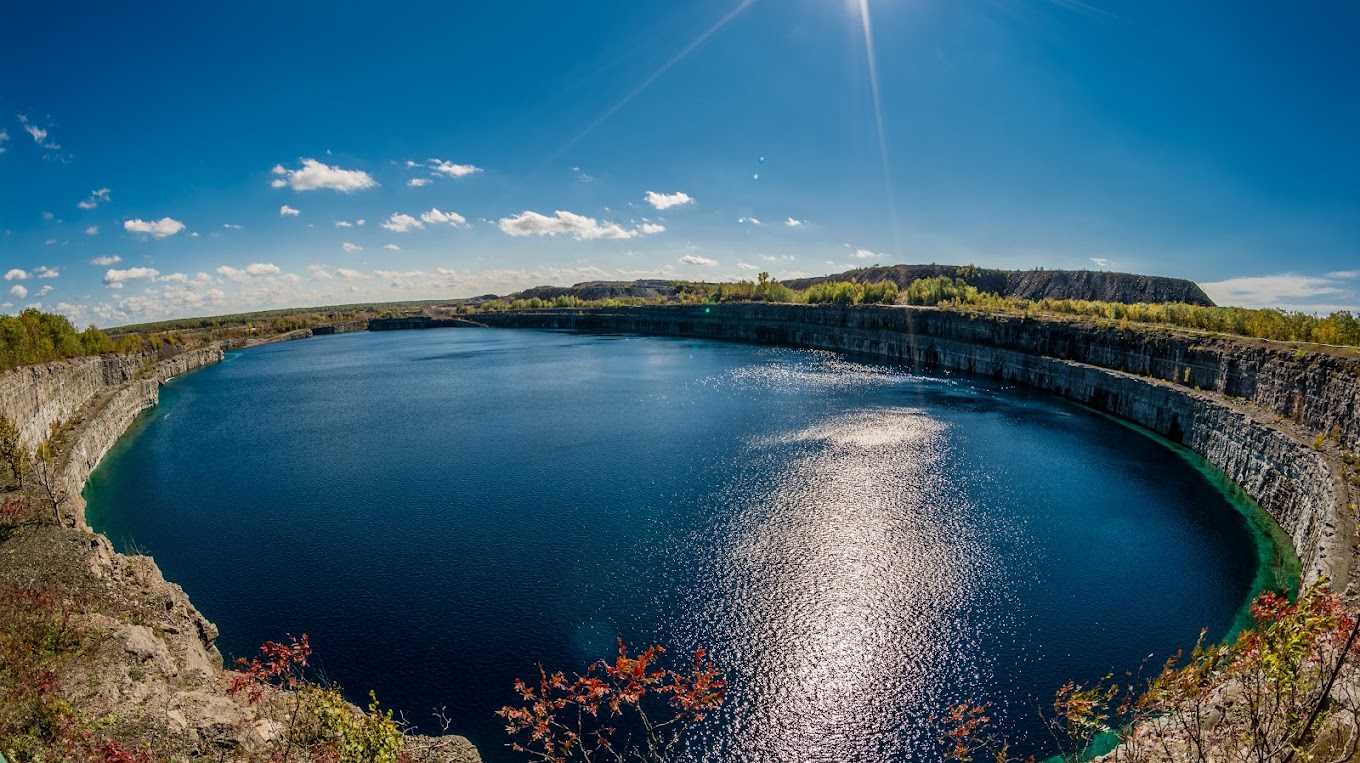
x: 872, y: 58
x: 654, y: 76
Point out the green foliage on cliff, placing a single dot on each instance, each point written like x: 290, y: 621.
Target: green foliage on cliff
x: 941, y: 290
x: 851, y: 293
x: 1339, y: 328
x: 37, y: 337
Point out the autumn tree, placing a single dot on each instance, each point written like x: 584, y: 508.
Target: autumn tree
x: 580, y: 718
x: 1284, y: 691
x: 48, y: 478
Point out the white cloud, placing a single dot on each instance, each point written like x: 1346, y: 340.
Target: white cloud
x: 400, y: 279
x: 418, y: 182
x: 1288, y: 291
x: 343, y: 224
x: 18, y: 290
x: 114, y: 279
x: 95, y: 198
x: 748, y: 221
x: 4, y: 136
x: 287, y: 211
x: 93, y: 230
x: 1100, y: 262
x: 42, y: 271
x: 350, y: 274
x: 106, y: 260
x: 435, y: 217
x: 694, y: 259
x: 174, y: 278
x: 314, y: 175
x: 794, y: 223
x: 38, y: 134
x: 668, y: 200
x: 453, y: 170
x: 48, y: 216
x: 231, y: 226
x: 578, y: 227
x: 1344, y: 275
x: 747, y: 266
x: 162, y: 228
x: 393, y: 247
x: 347, y: 246
x: 650, y: 228
x: 15, y: 274
x: 399, y: 223
x: 44, y: 291
x: 865, y: 254
x: 360, y: 221
x: 253, y: 270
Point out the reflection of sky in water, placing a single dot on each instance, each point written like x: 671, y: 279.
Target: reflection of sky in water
x: 858, y: 545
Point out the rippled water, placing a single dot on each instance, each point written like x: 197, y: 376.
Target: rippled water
x: 859, y: 546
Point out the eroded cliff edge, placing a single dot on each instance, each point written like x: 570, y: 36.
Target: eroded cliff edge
x: 1272, y: 418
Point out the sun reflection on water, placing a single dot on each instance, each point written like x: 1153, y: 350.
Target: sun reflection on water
x: 841, y: 585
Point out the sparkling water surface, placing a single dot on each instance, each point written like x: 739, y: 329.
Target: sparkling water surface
x: 858, y: 545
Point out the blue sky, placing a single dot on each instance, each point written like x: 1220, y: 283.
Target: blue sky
x: 162, y: 160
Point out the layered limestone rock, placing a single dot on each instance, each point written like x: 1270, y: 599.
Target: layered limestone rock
x: 1248, y: 408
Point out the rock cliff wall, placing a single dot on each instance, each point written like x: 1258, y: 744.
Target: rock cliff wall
x: 1193, y: 390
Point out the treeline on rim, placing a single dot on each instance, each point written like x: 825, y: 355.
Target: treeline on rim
x: 37, y: 337
x: 1339, y: 328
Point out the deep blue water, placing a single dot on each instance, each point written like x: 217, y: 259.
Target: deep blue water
x: 858, y: 545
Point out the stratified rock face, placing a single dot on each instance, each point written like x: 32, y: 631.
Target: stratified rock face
x: 1179, y: 386
x: 36, y: 397
x: 1103, y: 286
x: 1100, y: 285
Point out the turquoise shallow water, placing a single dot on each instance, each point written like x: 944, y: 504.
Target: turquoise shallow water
x: 857, y: 544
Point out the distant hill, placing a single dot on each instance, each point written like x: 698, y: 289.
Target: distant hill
x: 645, y: 289
x: 1027, y: 284
x: 1097, y: 285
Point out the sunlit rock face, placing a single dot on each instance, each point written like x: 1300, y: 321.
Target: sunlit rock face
x: 859, y: 545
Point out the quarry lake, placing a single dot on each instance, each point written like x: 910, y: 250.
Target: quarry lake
x: 858, y: 545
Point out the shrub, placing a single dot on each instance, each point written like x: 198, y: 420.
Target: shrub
x: 577, y: 719
x: 1282, y: 691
